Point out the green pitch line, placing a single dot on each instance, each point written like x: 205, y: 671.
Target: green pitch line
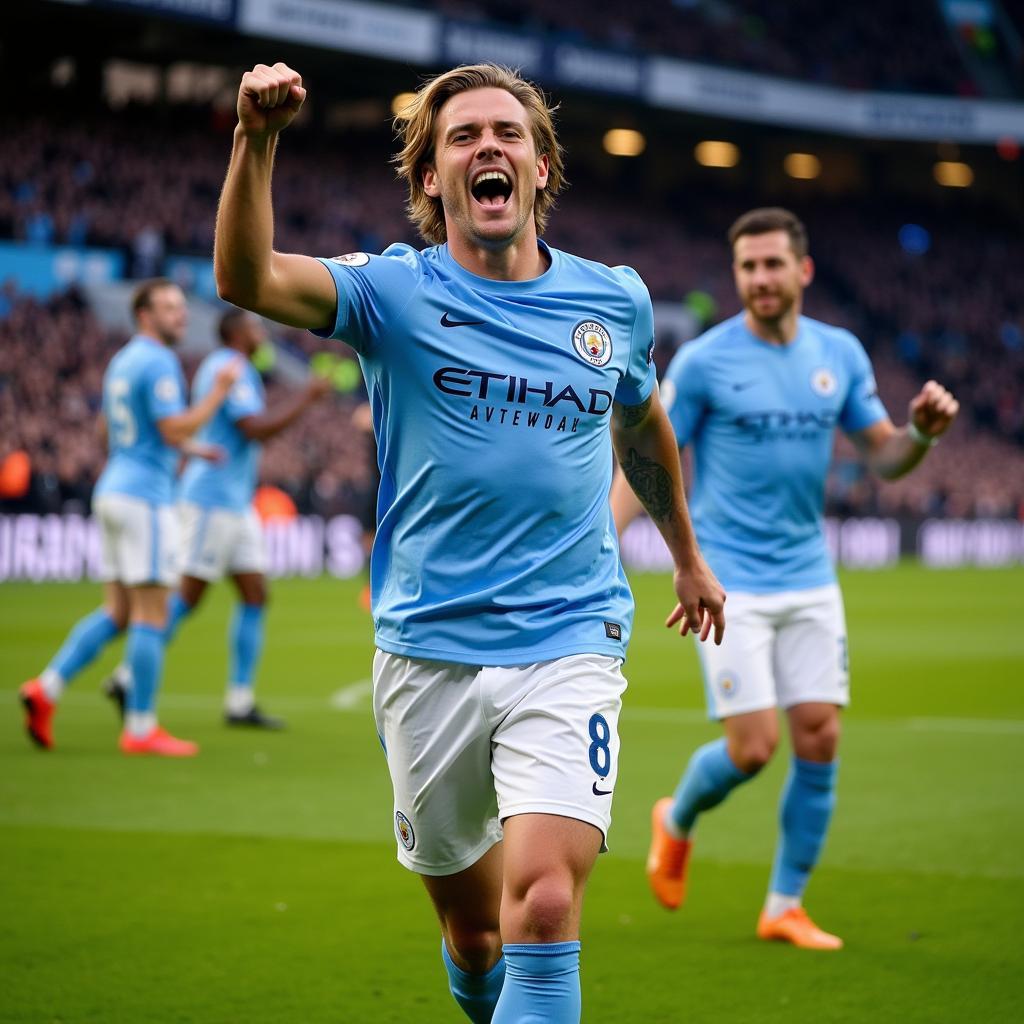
x: 258, y: 882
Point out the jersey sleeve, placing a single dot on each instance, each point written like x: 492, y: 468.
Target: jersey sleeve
x: 244, y: 399
x: 638, y: 379
x: 684, y: 393
x: 862, y: 407
x: 164, y: 388
x: 372, y: 292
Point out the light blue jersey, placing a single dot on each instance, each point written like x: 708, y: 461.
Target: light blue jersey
x: 232, y: 483
x: 142, y: 385
x: 491, y: 404
x: 760, y: 419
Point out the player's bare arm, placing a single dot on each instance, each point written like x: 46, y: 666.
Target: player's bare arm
x: 270, y: 424
x: 647, y: 453
x: 892, y: 451
x: 289, y: 288
x: 176, y: 430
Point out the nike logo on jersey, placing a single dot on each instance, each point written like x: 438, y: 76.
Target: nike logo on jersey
x: 599, y: 792
x: 744, y: 385
x: 445, y: 322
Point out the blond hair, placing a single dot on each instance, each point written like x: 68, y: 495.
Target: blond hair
x: 416, y: 125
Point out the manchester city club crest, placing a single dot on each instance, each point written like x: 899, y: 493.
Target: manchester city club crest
x: 823, y: 382
x: 403, y: 828
x: 352, y: 259
x: 593, y: 342
x: 728, y: 684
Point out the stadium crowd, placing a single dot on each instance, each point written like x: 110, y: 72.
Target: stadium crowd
x: 903, y: 46
x: 112, y: 181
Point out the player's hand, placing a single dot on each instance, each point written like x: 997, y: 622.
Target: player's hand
x: 228, y: 374
x: 213, y: 453
x: 701, y: 602
x: 933, y: 409
x: 318, y: 387
x: 268, y: 99
x: 362, y: 418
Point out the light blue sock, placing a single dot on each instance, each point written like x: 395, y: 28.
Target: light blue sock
x: 804, y: 813
x: 709, y: 778
x: 542, y: 984
x: 477, y: 994
x: 85, y: 641
x: 246, y: 643
x: 145, y: 659
x: 177, y: 609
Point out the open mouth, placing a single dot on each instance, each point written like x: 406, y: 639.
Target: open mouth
x: 491, y: 189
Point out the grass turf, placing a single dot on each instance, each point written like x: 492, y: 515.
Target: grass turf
x: 258, y: 883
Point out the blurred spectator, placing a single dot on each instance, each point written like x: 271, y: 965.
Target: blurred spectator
x: 110, y: 180
x: 903, y: 45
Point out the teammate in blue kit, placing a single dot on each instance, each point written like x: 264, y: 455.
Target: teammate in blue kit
x: 220, y: 531
x: 758, y: 398
x: 148, y: 428
x: 495, y: 367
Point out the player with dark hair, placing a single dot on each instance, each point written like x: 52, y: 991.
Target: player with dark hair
x: 148, y: 427
x: 499, y: 372
x: 220, y: 530
x: 759, y: 398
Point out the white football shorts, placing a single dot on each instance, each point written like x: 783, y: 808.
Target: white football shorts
x: 138, y: 541
x: 469, y: 746
x: 215, y: 541
x: 779, y: 650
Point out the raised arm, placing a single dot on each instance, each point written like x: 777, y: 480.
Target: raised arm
x: 892, y: 452
x: 646, y: 448
x: 291, y: 289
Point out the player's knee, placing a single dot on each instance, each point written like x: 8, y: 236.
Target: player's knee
x: 752, y: 753
x: 476, y: 947
x: 546, y: 907
x: 821, y: 742
x: 119, y: 617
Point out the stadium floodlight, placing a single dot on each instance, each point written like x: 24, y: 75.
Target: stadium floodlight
x: 714, y: 153
x: 624, y: 142
x: 401, y: 101
x: 802, y: 165
x: 953, y: 174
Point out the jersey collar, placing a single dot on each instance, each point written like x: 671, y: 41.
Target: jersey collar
x: 487, y: 284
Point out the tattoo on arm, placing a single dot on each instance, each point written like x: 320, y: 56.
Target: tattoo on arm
x: 634, y: 414
x: 651, y: 483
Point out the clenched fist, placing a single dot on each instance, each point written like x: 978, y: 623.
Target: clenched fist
x: 268, y: 99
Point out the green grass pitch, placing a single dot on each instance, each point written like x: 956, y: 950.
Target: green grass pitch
x: 258, y: 883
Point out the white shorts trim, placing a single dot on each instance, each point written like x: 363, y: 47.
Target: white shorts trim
x: 219, y: 541
x: 139, y: 541
x: 779, y: 650
x: 469, y: 746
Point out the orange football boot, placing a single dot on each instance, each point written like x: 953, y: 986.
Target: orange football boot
x: 796, y: 927
x: 39, y: 711
x: 667, y: 860
x: 157, y: 741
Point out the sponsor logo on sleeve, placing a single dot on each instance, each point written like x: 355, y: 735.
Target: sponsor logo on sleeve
x: 667, y: 390
x: 167, y: 389
x: 352, y: 259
